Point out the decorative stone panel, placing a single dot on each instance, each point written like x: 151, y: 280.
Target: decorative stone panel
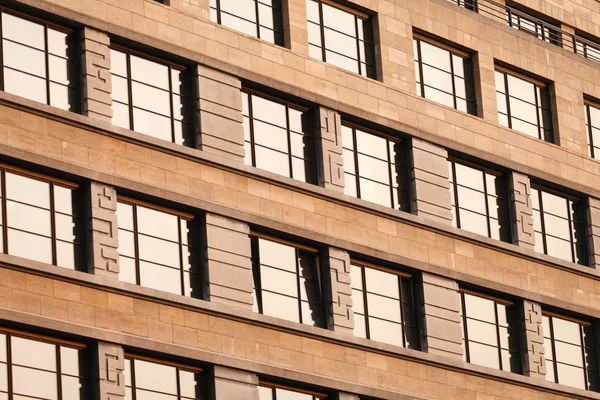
x: 111, y: 371
x: 104, y: 256
x: 219, y: 106
x: 329, y: 148
x: 534, y: 361
x: 439, y: 309
x: 593, y: 232
x: 228, y: 261
x: 234, y: 384
x: 521, y: 212
x: 97, y: 84
x: 429, y: 182
x: 340, y: 314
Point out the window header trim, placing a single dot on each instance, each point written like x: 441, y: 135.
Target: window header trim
x: 47, y: 339
x: 486, y: 296
x: 562, y: 316
x: 31, y: 174
x: 291, y: 388
x: 590, y: 102
x: 555, y: 192
x: 474, y: 166
x: 371, y: 131
x: 274, y: 99
x: 142, y: 203
x: 132, y: 356
x: 342, y: 7
x: 528, y: 78
x: 283, y: 241
x: 147, y: 56
x: 361, y: 263
x: 28, y: 17
x: 437, y: 43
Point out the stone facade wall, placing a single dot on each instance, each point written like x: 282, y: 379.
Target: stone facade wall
x: 104, y: 231
x: 234, y: 384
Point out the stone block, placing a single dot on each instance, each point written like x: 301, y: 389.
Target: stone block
x: 103, y: 254
x: 111, y: 371
x: 234, y: 384
x: 521, y: 212
x: 534, y: 360
x: 97, y: 84
x: 340, y: 314
x: 328, y: 133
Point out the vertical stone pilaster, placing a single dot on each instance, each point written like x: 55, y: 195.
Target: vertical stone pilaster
x: 593, y: 232
x: 111, y: 371
x: 429, y: 182
x: 484, y: 75
x: 439, y: 308
x: 340, y: 314
x: 295, y: 30
x: 97, y: 84
x: 567, y: 39
x: 103, y: 253
x: 329, y: 148
x: 534, y: 361
x: 521, y: 212
x: 228, y: 262
x: 234, y: 384
x: 219, y: 106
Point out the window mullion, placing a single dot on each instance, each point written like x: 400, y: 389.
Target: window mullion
x: 590, y: 129
x: 47, y: 59
x: 456, y: 201
x: 138, y: 273
x: 297, y: 252
x: 583, y: 358
x: 171, y: 104
x: 365, y: 302
x: 130, y: 90
x: 257, y: 272
x: 178, y: 380
x: 538, y: 107
x: 542, y: 222
x: 53, y: 224
x: 554, y: 362
x: 181, y: 271
x: 390, y: 175
x: 498, y: 337
x: 356, y: 164
x: 9, y: 364
x: 402, y: 321
x: 507, y: 95
x: 420, y: 62
x: 251, y: 127
x: 487, y: 205
x: 358, y: 45
x: 570, y: 212
x: 465, y: 329
x: 289, y: 141
x: 58, y: 372
x: 4, y: 213
x: 1, y: 52
x: 133, y: 383
x: 453, y: 80
x: 257, y: 19
x: 322, y: 29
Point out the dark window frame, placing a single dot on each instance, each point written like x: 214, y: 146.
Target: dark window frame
x: 268, y: 384
x: 544, y: 30
x: 469, y: 78
x: 468, y: 4
x: 587, y: 104
x: 74, y: 87
x: 403, y: 173
x: 278, y: 34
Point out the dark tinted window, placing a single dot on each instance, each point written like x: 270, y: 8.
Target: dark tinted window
x: 490, y: 335
x: 479, y: 202
x: 533, y: 26
x: 150, y: 97
x: 43, y: 220
x: 276, y: 138
x: 38, y: 61
x: 268, y: 392
x: 157, y: 249
x: 592, y: 125
x: 384, y: 308
x: 42, y: 369
x: 587, y: 48
x: 444, y: 76
x: 570, y: 353
x: 559, y: 226
x: 286, y: 282
x: 340, y: 37
x: 375, y: 168
x: 153, y: 380
x: 523, y: 105
x: 468, y: 4
x: 259, y: 18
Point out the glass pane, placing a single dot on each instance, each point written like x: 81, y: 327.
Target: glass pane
x: 23, y: 31
x: 571, y: 376
x: 339, y: 20
x: 269, y: 111
x: 383, y: 307
x: 383, y: 283
x: 469, y: 177
x: 151, y: 99
x: 149, y: 72
x: 157, y: 377
x: 385, y: 331
x: 277, y: 255
x: 279, y: 281
x: 273, y: 161
x: 159, y: 251
x: 154, y: 125
x: 127, y: 271
x: 189, y: 384
x: 158, y: 223
x: 567, y: 331
x: 27, y: 218
x: 33, y: 353
x: 73, y: 388
x: 65, y: 201
x: 25, y: 59
x: 160, y: 278
x: 71, y: 360
x: 479, y: 308
x: 435, y: 56
x: 482, y: 332
x: 33, y: 247
x: 27, y: 190
x: 24, y: 85
x: 280, y: 306
x: 486, y: 356
x: 45, y: 383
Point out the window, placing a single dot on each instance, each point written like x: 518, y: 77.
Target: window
x: 157, y: 248
x: 479, y: 201
x: 269, y: 391
x: 587, y: 48
x: 259, y: 18
x: 42, y: 219
x: 38, y: 61
x: 490, y: 332
x: 592, y: 126
x: 570, y: 352
x: 559, y: 227
x: 149, y: 379
x: 523, y: 104
x: 384, y: 306
x: 468, y: 4
x: 375, y: 168
x: 444, y: 75
x: 276, y: 137
x: 287, y: 281
x: 340, y: 36
x: 150, y: 97
x: 34, y: 367
x: 533, y: 26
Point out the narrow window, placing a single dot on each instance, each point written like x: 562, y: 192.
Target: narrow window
x: 490, y: 332
x: 570, y: 352
x: 587, y: 48
x: 150, y: 96
x: 533, y: 26
x: 444, y: 74
x: 468, y: 4
x: 152, y: 379
x: 270, y: 391
x: 258, y: 18
x: 523, y: 104
x: 39, y: 61
x: 384, y: 306
x: 479, y: 202
x: 287, y: 282
x: 592, y: 126
x: 42, y: 219
x: 32, y: 367
x: 341, y: 36
x: 375, y: 167
x: 277, y: 138
x: 157, y: 248
x: 559, y: 225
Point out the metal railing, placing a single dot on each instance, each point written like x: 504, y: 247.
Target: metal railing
x: 533, y: 26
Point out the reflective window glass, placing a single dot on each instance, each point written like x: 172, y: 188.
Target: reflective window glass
x: 286, y: 282
x: 479, y: 201
x: 157, y: 249
x: 444, y: 75
x: 592, y: 126
x: 588, y: 49
x: 468, y: 4
x: 384, y: 308
x: 268, y: 392
x: 490, y: 332
x: 375, y: 168
x: 341, y: 37
x: 276, y: 138
x: 151, y: 97
x: 37, y: 61
x: 146, y: 379
x: 258, y: 18
x: 523, y: 105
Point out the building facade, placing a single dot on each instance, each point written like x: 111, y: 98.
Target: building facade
x: 299, y: 199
